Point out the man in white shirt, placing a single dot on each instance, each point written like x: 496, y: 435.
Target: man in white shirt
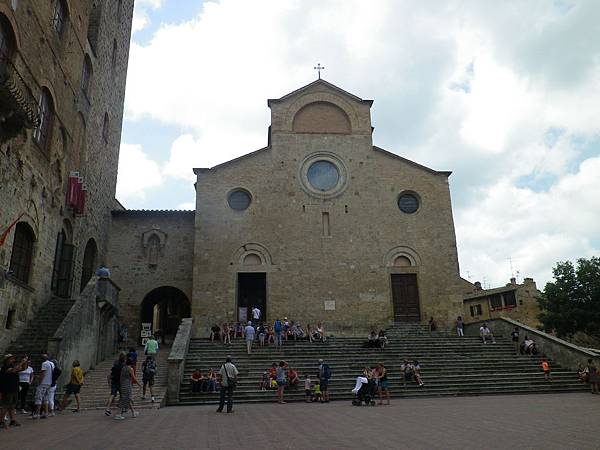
x: 486, y: 333
x: 229, y: 375
x: 43, y: 389
x: 256, y: 313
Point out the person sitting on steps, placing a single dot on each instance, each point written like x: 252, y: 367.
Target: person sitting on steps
x: 198, y: 381
x: 486, y: 334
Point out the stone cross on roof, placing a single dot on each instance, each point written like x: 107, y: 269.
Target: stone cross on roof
x: 318, y: 68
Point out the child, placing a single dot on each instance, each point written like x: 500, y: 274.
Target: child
x: 148, y: 373
x: 265, y: 382
x: 317, y: 395
x: 546, y: 369
x: 307, y: 388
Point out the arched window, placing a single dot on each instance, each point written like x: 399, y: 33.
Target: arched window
x: 105, y: 128
x: 7, y: 41
x: 22, y: 252
x: 88, y: 265
x: 81, y: 144
x: 41, y: 134
x: 59, y: 21
x: 86, y: 75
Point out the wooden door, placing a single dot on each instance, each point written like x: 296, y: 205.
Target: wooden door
x: 405, y: 295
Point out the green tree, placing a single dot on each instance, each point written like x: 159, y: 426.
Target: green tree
x: 571, y: 302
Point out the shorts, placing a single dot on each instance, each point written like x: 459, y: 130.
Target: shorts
x: 408, y: 376
x: 282, y: 383
x: 73, y: 389
x: 307, y: 392
x: 41, y: 394
x: 324, y: 384
x: 383, y: 384
x: 115, y: 389
x: 148, y: 381
x: 9, y: 400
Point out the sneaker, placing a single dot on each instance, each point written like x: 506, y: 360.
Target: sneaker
x: 107, y: 412
x: 51, y: 414
x: 153, y: 399
x: 24, y: 411
x: 119, y: 417
x: 135, y: 414
x: 35, y: 417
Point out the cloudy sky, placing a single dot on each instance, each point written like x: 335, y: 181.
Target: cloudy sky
x: 504, y: 94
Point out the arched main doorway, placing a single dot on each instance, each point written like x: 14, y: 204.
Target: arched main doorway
x: 163, y: 308
x: 89, y: 262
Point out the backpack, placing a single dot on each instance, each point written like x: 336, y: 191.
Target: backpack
x: 149, y: 368
x: 56, y: 372
x: 277, y: 326
x: 326, y: 372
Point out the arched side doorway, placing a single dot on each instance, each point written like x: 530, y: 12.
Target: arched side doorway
x: 64, y: 262
x: 163, y: 308
x: 90, y: 257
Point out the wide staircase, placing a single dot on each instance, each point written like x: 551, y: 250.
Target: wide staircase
x: 95, y: 390
x: 33, y: 341
x: 450, y: 366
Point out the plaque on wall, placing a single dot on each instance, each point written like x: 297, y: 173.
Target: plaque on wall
x: 243, y: 314
x: 329, y: 305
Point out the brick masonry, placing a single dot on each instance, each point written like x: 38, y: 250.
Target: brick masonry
x: 35, y: 181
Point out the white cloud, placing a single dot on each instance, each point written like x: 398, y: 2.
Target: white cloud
x: 460, y: 85
x: 137, y: 173
x: 141, y: 18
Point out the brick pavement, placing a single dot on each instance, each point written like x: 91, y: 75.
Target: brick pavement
x: 554, y: 421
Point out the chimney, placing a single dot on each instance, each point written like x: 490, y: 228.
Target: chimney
x: 513, y: 281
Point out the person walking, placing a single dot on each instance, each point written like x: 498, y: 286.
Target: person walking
x: 281, y: 379
x: 74, y: 387
x: 249, y: 337
x: 324, y: 376
x: 56, y: 372
x: 25, y: 380
x: 593, y: 376
x: 229, y: 374
x: 126, y: 382
x: 514, y: 335
x: 460, y: 326
x: 151, y: 347
x: 256, y: 314
x: 9, y: 388
x: 114, y: 380
x: 148, y: 373
x: 42, y: 391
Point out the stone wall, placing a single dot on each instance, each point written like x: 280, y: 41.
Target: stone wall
x: 130, y: 261
x: 89, y: 331
x: 311, y: 267
x: 567, y: 354
x: 33, y: 180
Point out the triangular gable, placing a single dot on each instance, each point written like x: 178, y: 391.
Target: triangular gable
x: 412, y: 163
x: 231, y: 161
x: 321, y: 82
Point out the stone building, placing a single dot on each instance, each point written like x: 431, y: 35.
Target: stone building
x: 320, y: 225
x: 516, y: 301
x: 63, y: 67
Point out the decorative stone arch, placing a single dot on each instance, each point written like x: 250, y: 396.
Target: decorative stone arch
x: 398, y: 257
x: 31, y: 217
x: 153, y: 242
x: 8, y: 14
x: 321, y: 117
x: 246, y: 256
x: 322, y: 97
x: 46, y: 84
x: 161, y: 235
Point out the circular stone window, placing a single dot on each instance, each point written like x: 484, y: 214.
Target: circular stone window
x: 239, y: 199
x: 408, y: 203
x: 323, y: 175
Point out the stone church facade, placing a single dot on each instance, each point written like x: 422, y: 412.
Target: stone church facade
x: 321, y: 225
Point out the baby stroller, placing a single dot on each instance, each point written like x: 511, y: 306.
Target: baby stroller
x: 364, y: 392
